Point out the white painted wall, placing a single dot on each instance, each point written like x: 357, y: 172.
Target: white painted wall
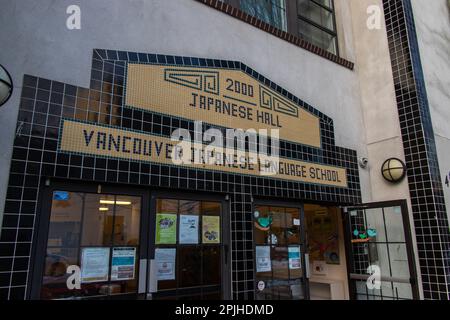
x: 35, y: 41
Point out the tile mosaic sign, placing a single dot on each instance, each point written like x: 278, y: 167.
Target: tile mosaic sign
x: 89, y: 139
x: 228, y: 98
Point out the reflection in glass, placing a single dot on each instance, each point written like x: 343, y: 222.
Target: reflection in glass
x: 272, y: 12
x: 293, y: 225
x: 280, y: 263
x: 394, y: 227
x: 296, y: 287
x: 65, y: 220
x: 98, y: 218
x: 402, y: 291
x: 262, y: 227
x: 166, y: 206
x: 101, y: 220
x: 316, y: 23
x: 282, y: 227
x: 54, y: 284
x: 126, y: 221
x: 189, y: 207
x: 278, y: 227
x: 198, y: 267
x: 281, y: 290
x: 375, y: 221
x: 211, y: 208
x: 189, y: 266
x: 315, y: 13
x: 211, y: 265
x: 317, y: 37
x: 399, y: 260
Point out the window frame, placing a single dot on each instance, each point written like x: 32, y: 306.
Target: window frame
x: 293, y: 17
x: 226, y: 233
x: 40, y: 238
x: 331, y: 10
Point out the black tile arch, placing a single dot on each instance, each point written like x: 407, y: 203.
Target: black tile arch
x: 427, y: 198
x: 44, y: 103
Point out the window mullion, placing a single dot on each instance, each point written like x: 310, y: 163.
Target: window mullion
x: 330, y: 10
x: 315, y: 24
x: 234, y: 3
x: 292, y: 17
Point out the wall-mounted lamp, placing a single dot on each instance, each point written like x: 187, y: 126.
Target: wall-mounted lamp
x: 6, y: 85
x: 393, y: 170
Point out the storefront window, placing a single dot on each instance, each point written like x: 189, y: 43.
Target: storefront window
x: 316, y: 23
x: 312, y: 20
x: 98, y: 233
x: 188, y: 238
x: 278, y: 252
x: 272, y: 12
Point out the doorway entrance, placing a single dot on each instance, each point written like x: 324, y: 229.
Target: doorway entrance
x: 89, y: 243
x: 190, y: 249
x: 380, y: 242
x: 130, y: 243
x: 279, y: 252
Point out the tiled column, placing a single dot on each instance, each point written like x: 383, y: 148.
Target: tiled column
x: 242, y: 243
x: 427, y: 198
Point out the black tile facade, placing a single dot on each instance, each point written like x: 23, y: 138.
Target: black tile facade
x: 427, y: 198
x: 44, y: 103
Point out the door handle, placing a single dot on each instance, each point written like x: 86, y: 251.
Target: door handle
x: 152, y: 277
x: 225, y: 247
x: 142, y: 275
x: 308, y: 271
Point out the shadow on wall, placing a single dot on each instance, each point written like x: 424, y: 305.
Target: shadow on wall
x: 448, y: 7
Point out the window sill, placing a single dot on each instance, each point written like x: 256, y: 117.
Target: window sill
x: 234, y: 12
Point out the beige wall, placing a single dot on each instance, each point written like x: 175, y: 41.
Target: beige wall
x: 432, y: 20
x: 334, y: 272
x: 378, y: 104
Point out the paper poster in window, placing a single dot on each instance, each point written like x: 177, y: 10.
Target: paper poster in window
x: 94, y: 265
x: 165, y: 262
x: 188, y: 229
x: 294, y: 258
x: 263, y: 263
x: 166, y: 228
x: 211, y: 229
x: 123, y: 263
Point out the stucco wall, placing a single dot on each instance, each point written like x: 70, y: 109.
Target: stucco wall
x: 379, y: 105
x: 36, y: 41
x: 432, y: 20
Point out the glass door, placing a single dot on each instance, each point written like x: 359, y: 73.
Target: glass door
x: 279, y: 253
x: 189, y: 249
x: 380, y: 244
x: 91, y: 238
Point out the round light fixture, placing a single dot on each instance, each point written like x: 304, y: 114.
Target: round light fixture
x: 393, y: 170
x: 6, y: 85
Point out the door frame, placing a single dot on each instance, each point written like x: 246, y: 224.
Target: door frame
x: 40, y: 236
x: 225, y: 219
x: 403, y: 204
x: 287, y: 204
